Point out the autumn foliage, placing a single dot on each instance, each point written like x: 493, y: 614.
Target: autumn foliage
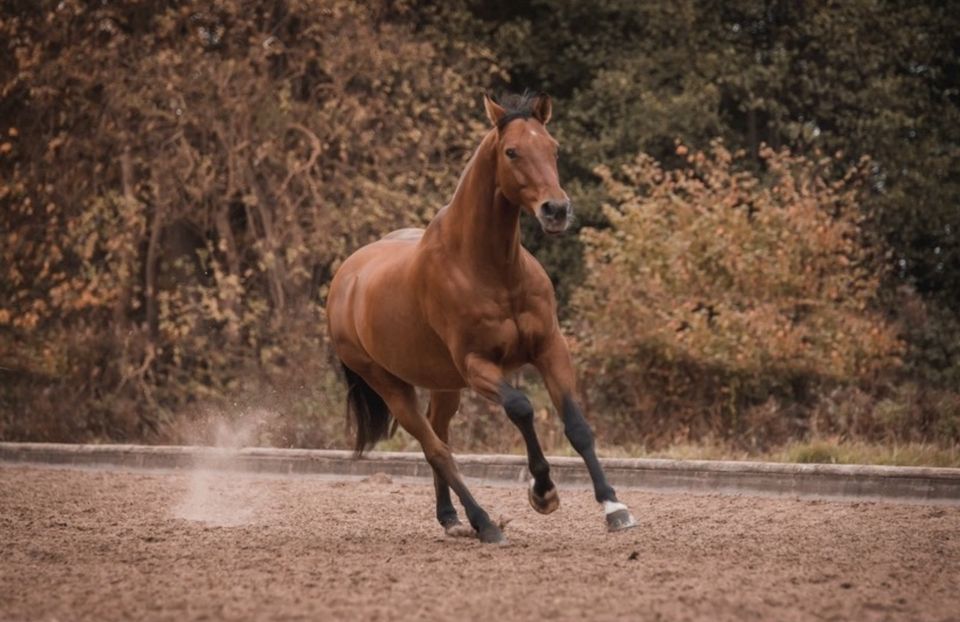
x: 180, y: 180
x: 171, y: 221
x: 717, y: 286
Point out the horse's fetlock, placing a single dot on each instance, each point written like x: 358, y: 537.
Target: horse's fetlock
x: 478, y: 518
x: 540, y: 471
x: 447, y: 515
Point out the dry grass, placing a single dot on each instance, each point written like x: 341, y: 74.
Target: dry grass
x: 821, y: 451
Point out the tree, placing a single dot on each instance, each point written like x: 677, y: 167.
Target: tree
x: 858, y: 78
x: 180, y: 180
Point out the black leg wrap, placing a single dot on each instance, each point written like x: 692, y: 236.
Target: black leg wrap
x: 543, y: 494
x: 520, y: 411
x: 518, y: 407
x: 576, y: 428
x: 580, y: 435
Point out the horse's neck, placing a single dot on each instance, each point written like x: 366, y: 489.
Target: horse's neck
x: 480, y: 226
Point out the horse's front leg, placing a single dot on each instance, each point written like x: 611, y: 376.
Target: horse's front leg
x: 556, y: 367
x: 486, y: 378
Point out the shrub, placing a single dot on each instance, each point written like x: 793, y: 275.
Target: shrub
x: 716, y: 288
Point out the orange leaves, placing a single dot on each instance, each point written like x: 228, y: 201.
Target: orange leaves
x: 192, y: 183
x: 722, y: 267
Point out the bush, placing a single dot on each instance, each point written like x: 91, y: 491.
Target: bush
x: 716, y: 289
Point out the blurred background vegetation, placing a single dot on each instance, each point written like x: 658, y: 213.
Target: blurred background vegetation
x: 768, y: 191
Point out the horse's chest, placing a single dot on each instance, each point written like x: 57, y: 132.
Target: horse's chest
x: 510, y: 339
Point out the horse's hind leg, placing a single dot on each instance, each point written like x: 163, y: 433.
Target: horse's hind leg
x: 443, y: 406
x: 401, y: 399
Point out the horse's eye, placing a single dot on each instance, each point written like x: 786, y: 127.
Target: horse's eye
x: 511, y: 153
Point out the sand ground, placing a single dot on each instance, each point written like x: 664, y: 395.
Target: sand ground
x: 114, y: 545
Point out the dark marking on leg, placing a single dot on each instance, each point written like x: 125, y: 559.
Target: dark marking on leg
x: 543, y: 493
x: 443, y: 406
x: 446, y: 513
x: 443, y: 463
x: 580, y: 435
x: 578, y: 431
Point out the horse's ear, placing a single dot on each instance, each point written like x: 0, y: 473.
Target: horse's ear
x: 543, y: 108
x: 494, y: 110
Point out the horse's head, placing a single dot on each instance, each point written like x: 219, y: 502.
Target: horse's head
x: 527, y: 160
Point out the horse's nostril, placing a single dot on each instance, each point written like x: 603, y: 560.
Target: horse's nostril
x: 554, y: 209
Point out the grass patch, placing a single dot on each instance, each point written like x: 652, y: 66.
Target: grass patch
x: 909, y: 454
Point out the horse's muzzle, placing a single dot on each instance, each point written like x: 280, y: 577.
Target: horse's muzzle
x: 555, y: 216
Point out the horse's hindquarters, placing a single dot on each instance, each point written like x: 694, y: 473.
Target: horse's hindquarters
x: 375, y: 317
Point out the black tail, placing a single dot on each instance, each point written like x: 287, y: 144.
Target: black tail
x: 370, y: 413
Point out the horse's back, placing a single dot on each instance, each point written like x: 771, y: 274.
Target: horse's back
x: 409, y: 234
x: 388, y: 255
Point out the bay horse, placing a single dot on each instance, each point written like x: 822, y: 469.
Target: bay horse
x: 461, y: 304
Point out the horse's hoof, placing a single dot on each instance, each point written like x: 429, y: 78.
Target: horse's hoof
x: 491, y: 534
x: 618, y: 516
x: 459, y: 530
x: 545, y: 504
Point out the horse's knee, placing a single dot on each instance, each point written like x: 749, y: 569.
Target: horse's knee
x: 517, y: 406
x: 575, y: 427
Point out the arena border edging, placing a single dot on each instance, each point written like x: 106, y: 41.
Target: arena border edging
x: 824, y: 481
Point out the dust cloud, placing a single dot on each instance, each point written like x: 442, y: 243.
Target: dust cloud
x: 215, y: 495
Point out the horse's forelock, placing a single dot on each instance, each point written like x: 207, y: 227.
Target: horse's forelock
x: 517, y: 106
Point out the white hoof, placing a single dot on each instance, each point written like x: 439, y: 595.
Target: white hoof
x: 618, y: 516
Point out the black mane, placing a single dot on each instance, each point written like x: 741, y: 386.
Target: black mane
x: 517, y: 106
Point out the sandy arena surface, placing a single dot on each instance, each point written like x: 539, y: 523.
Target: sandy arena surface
x: 102, y: 545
